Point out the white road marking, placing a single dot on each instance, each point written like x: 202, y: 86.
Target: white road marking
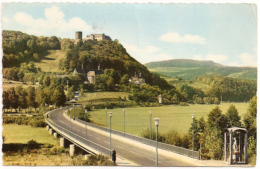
x: 134, y: 153
x: 97, y: 138
x: 90, y: 134
x: 107, y: 142
x: 119, y: 147
x: 153, y: 160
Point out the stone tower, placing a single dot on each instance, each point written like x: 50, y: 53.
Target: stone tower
x: 78, y: 36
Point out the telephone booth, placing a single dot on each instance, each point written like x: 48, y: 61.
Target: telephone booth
x: 235, y: 145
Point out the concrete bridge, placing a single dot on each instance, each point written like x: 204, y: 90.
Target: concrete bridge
x: 96, y: 140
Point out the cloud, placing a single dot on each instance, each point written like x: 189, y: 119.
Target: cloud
x: 197, y: 57
x: 174, y: 37
x: 5, y: 19
x: 146, y: 50
x: 54, y: 23
x: 248, y: 60
x: 146, y: 54
x: 217, y: 58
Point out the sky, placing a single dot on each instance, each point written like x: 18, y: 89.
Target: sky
x: 223, y: 33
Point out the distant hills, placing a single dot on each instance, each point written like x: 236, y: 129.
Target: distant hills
x: 190, y: 69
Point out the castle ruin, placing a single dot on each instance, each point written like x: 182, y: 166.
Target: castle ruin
x: 98, y: 37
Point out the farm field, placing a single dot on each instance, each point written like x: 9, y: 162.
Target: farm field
x: 171, y: 117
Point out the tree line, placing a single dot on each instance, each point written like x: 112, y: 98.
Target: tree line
x: 20, y: 47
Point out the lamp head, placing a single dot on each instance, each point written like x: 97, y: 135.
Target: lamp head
x: 156, y: 121
x: 86, y: 110
x: 110, y: 114
x: 150, y: 111
x: 193, y: 115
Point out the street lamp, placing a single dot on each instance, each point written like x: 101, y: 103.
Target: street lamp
x: 70, y: 117
x: 106, y: 117
x: 150, y: 124
x: 110, y: 115
x: 78, y: 111
x: 86, y: 111
x: 93, y: 114
x: 156, y: 124
x: 193, y: 116
x: 124, y: 121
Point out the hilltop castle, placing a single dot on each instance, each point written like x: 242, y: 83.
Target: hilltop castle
x: 78, y: 37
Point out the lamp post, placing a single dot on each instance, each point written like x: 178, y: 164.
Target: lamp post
x: 70, y: 117
x: 150, y: 124
x: 78, y: 111
x: 193, y: 135
x: 110, y: 115
x: 106, y: 117
x: 124, y: 121
x: 86, y: 111
x: 156, y: 124
x: 93, y: 114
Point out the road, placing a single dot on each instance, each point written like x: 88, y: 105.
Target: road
x: 126, y: 150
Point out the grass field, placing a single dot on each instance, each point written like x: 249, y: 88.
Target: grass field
x: 22, y: 134
x: 171, y: 117
x: 10, y: 83
x: 101, y: 97
x: 50, y: 62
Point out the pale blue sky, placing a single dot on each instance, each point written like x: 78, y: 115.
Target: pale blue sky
x: 224, y: 33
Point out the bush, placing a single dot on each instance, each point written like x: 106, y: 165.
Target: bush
x: 184, y: 104
x: 99, y: 160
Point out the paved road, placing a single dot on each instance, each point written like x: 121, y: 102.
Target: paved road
x: 129, y: 151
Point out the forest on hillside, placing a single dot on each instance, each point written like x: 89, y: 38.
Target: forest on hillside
x: 21, y: 51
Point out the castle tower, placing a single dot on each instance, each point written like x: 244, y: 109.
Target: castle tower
x: 78, y: 36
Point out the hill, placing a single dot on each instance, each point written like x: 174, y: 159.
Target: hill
x: 52, y: 54
x: 190, y: 69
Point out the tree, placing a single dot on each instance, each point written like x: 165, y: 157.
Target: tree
x: 216, y: 119
x: 199, y: 128
x: 46, y: 81
x: 59, y: 97
x: 22, y: 96
x: 214, y: 143
x: 250, y: 124
x: 250, y: 117
x: 233, y: 119
x: 31, y: 97
x: 125, y: 79
x: 13, y: 98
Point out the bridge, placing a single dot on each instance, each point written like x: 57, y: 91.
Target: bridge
x: 96, y: 140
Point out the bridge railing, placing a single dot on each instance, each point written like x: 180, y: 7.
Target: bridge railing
x: 164, y: 146
x: 78, y: 140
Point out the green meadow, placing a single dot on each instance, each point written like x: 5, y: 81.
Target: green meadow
x: 171, y: 117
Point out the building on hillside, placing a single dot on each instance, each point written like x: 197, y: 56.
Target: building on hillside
x: 98, y: 37
x: 89, y: 74
x: 78, y: 37
x: 137, y: 80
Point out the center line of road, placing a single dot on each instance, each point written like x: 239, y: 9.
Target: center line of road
x: 90, y: 134
x: 107, y: 142
x: 134, y: 152
x: 153, y: 160
x: 97, y: 138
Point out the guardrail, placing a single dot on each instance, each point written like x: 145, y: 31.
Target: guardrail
x: 76, y: 139
x: 164, y: 146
